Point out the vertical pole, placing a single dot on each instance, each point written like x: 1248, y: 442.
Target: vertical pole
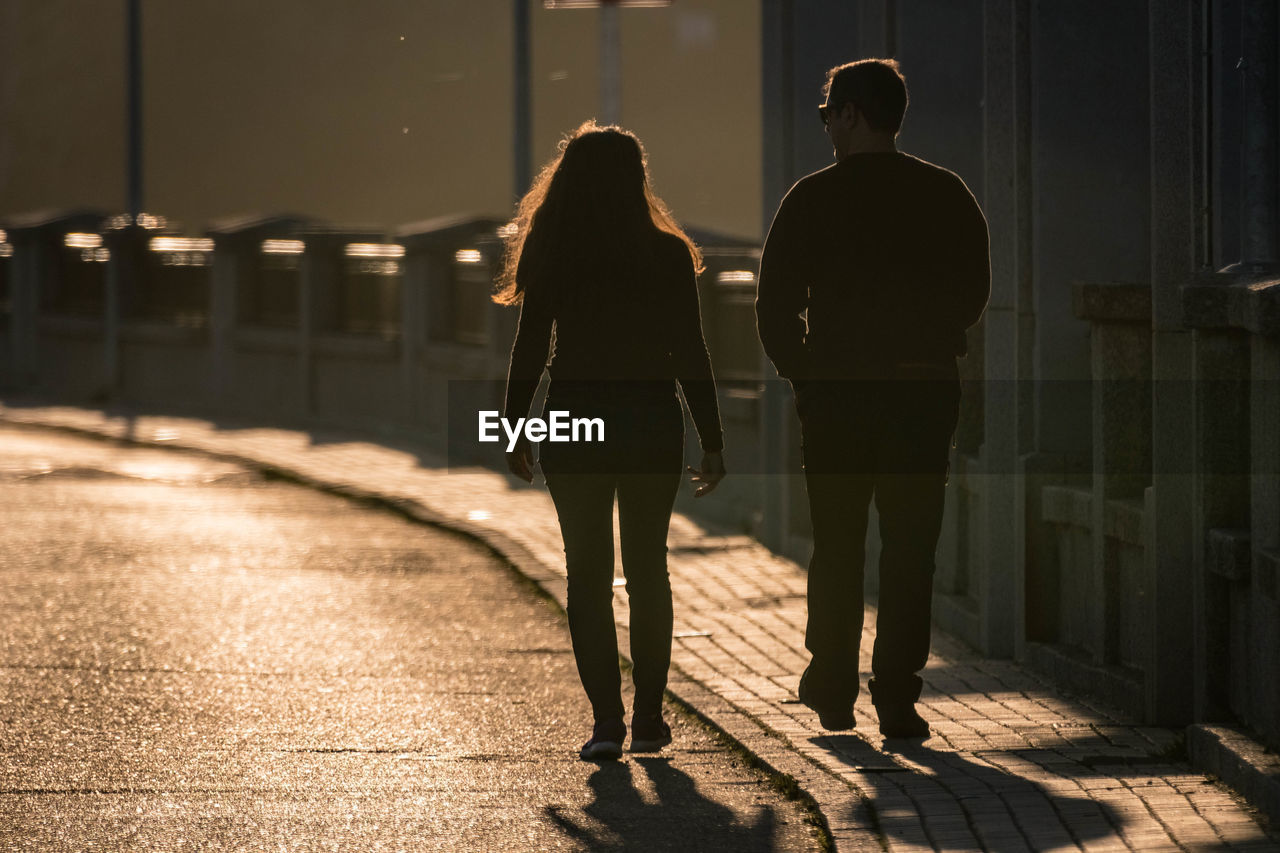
x: 523, y: 97
x: 877, y: 28
x: 134, y: 164
x: 610, y: 65
x: 1168, y: 501
x: 1001, y: 585
x: 778, y: 136
x: 891, y: 28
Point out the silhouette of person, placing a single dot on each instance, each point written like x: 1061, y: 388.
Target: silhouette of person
x: 872, y: 270
x: 596, y: 255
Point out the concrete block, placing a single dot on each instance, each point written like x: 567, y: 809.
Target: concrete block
x: 1228, y: 553
x: 1241, y: 762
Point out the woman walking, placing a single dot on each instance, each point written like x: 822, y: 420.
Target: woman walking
x: 594, y: 254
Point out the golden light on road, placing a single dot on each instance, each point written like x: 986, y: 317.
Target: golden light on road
x: 468, y: 256
x: 736, y: 277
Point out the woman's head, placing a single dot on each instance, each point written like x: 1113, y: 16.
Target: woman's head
x: 592, y: 202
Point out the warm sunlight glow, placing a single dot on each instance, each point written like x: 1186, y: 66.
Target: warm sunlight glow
x: 282, y: 247
x: 145, y: 220
x: 736, y: 277
x: 468, y: 256
x: 374, y: 250
x: 595, y: 4
x: 181, y: 244
x: 80, y: 240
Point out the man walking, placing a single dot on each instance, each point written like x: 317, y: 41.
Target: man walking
x: 872, y: 270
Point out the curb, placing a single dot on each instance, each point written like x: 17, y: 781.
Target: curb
x: 1240, y: 762
x: 796, y: 776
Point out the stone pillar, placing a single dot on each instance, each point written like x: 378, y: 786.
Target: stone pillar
x: 1002, y: 609
x: 36, y: 242
x: 128, y: 247
x: 413, y: 335
x: 229, y: 264
x: 1175, y: 42
x: 777, y: 27
x: 25, y: 275
x: 1220, y: 507
x: 1260, y: 216
x: 1120, y: 354
x: 319, y: 271
x: 1262, y: 708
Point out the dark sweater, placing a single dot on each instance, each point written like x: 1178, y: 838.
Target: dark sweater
x: 618, y: 336
x: 888, y: 254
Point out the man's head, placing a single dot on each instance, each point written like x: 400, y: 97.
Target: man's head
x: 865, y: 103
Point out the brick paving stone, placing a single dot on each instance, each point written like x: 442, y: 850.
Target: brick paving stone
x: 1014, y: 764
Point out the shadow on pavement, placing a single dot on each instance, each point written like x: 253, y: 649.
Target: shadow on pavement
x: 953, y: 798
x: 621, y: 819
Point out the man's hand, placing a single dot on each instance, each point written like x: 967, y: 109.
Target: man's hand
x: 709, y: 475
x: 520, y: 460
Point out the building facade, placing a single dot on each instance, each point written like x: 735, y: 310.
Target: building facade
x: 1115, y: 510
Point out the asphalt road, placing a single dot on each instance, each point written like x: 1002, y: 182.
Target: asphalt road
x: 195, y: 657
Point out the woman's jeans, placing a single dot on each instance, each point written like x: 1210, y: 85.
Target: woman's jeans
x: 641, y: 462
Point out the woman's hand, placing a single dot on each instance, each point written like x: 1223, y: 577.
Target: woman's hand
x: 520, y: 460
x: 709, y: 475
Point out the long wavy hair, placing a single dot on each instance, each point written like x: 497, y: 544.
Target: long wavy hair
x: 590, y: 208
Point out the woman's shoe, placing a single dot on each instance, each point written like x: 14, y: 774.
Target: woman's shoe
x: 649, y: 732
x: 606, y: 741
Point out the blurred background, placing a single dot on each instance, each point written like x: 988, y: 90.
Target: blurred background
x: 381, y: 112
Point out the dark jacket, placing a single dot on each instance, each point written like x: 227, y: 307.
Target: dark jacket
x: 621, y: 334
x: 889, y: 256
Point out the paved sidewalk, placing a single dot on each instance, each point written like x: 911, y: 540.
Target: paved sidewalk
x: 1013, y: 765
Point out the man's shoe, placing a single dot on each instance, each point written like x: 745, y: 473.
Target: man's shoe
x: 606, y: 741
x: 900, y: 720
x: 833, y: 717
x: 649, y: 732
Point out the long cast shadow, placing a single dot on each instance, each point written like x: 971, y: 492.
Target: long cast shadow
x: 620, y: 819
x: 956, y: 799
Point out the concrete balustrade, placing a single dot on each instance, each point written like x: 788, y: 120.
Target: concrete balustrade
x: 1236, y: 351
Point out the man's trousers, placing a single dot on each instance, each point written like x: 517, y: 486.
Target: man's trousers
x: 886, y: 440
